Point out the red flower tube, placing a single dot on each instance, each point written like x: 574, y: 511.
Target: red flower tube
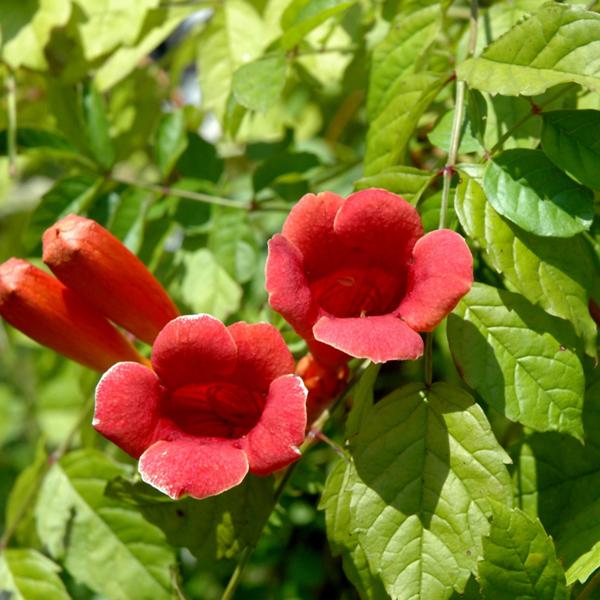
x: 55, y: 316
x: 357, y: 277
x: 90, y: 260
x: 323, y: 383
x: 219, y: 402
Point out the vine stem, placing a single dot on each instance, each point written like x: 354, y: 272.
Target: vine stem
x: 54, y: 457
x: 533, y: 113
x: 11, y: 100
x: 171, y: 191
x: 449, y: 168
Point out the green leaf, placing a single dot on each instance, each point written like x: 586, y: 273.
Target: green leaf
x: 559, y: 479
x: 23, y: 494
x: 440, y: 135
x: 336, y: 502
x: 232, y: 244
x: 554, y: 275
x: 102, y: 542
x: 28, y: 575
x: 527, y: 188
x: 213, y: 528
x: 390, y: 132
x: 495, y: 20
x: 69, y: 195
x: 29, y: 138
x: 409, y: 182
x: 96, y: 123
x: 158, y: 25
x: 206, y: 287
x: 199, y: 160
x: 302, y: 16
x: 519, y: 560
x: 108, y: 25
x: 410, y: 35
x: 171, y: 141
x: 362, y: 400
x: 558, y: 44
x: 233, y: 37
x: 571, y: 140
x: 417, y: 494
x: 287, y: 165
x: 519, y: 359
x: 26, y: 27
x: 258, y: 85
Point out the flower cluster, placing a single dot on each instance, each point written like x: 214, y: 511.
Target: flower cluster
x: 355, y: 277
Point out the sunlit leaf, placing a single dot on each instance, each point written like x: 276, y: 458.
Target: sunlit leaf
x: 556, y: 274
x: 417, y: 492
x: 397, y: 55
x: 102, y: 542
x: 257, y: 85
x: 528, y: 189
x: 28, y: 575
x: 302, y: 16
x: 558, y: 44
x: 519, y: 560
x: 390, y: 132
x: 26, y: 28
x: 519, y: 359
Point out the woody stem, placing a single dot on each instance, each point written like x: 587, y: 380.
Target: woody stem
x: 449, y: 168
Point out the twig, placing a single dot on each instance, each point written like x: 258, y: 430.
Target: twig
x: 188, y: 194
x: 11, y: 99
x: 535, y: 112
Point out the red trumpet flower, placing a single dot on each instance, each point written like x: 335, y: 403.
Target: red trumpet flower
x: 356, y: 277
x: 50, y: 313
x: 220, y: 401
x: 90, y: 260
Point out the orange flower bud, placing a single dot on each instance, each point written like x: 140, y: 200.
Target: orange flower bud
x: 323, y: 384
x: 55, y: 316
x: 90, y: 260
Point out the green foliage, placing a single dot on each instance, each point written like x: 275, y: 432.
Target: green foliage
x: 214, y: 528
x: 415, y: 495
x: 519, y: 359
x: 102, y: 542
x: 570, y: 140
x: 191, y: 139
x: 28, y: 575
x: 519, y: 559
x: 526, y: 188
x: 555, y: 45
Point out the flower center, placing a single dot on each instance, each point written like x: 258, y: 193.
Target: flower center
x: 222, y: 410
x: 358, y: 291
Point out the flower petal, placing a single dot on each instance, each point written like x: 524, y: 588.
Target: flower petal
x: 289, y: 293
x: 92, y: 261
x: 45, y: 310
x: 262, y: 355
x: 378, y: 338
x: 309, y: 226
x: 188, y: 466
x: 193, y: 349
x: 441, y: 274
x: 379, y: 223
x: 274, y: 440
x: 127, y: 406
